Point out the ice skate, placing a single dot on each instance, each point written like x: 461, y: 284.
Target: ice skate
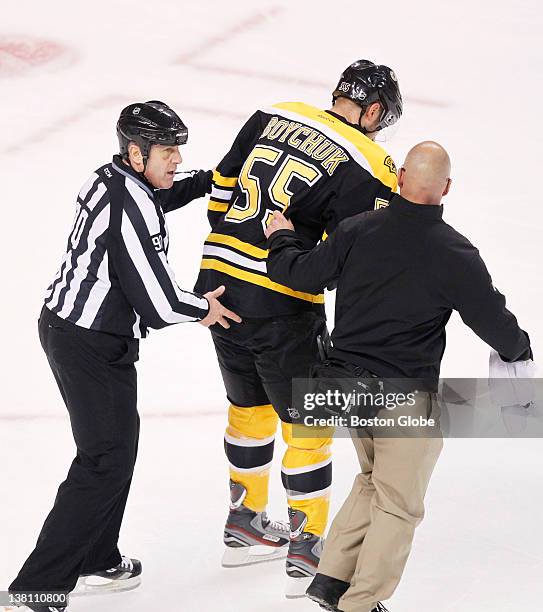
x: 251, y: 537
x: 123, y: 577
x: 303, y: 557
x: 36, y: 609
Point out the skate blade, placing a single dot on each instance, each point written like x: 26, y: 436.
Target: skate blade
x: 249, y: 555
x: 95, y: 585
x: 296, y: 587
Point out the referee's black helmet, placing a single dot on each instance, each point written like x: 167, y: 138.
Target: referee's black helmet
x: 149, y: 123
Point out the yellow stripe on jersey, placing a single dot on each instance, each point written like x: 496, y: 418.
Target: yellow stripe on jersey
x: 224, y: 181
x: 239, y: 245
x: 217, y: 206
x: 258, y: 279
x: 380, y: 162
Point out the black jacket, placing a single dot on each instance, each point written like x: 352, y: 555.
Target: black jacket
x: 401, y: 272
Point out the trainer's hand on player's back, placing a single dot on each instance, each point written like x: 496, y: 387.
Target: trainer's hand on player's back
x: 217, y: 312
x: 278, y: 222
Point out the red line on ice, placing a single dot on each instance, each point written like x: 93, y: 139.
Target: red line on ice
x: 292, y: 80
x: 241, y: 27
x: 62, y: 123
x: 73, y: 118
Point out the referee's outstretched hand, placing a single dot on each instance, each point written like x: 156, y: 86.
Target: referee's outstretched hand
x: 217, y: 312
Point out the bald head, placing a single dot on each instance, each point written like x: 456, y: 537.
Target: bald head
x: 425, y: 175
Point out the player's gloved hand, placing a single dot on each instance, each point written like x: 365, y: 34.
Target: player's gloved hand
x: 510, y: 383
x: 217, y: 312
x: 278, y: 222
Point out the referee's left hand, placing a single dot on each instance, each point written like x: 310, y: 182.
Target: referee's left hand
x: 278, y: 222
x: 217, y: 312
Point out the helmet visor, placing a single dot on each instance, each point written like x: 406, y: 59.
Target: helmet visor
x: 388, y: 125
x: 387, y: 134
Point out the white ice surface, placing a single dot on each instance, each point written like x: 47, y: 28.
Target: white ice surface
x: 478, y: 550
x: 471, y: 77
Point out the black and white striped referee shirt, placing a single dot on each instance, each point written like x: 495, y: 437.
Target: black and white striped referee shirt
x: 115, y: 276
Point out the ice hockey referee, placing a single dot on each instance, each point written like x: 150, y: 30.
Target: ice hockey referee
x: 114, y: 283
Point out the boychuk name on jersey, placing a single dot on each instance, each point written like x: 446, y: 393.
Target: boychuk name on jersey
x: 303, y: 161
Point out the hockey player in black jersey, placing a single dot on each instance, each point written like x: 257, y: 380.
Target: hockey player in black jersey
x: 318, y: 167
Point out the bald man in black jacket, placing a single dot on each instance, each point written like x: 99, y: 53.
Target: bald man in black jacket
x: 400, y: 273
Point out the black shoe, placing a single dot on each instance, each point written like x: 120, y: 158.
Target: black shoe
x: 380, y: 608
x: 326, y: 591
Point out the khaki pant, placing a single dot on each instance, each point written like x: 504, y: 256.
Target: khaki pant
x: 371, y: 536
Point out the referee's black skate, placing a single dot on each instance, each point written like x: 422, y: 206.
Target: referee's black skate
x: 38, y: 609
x: 123, y: 577
x: 304, y: 553
x: 249, y: 536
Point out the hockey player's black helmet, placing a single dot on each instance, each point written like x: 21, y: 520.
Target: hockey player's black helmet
x: 365, y: 83
x: 149, y: 123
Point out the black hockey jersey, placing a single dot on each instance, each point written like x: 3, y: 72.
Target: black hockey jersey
x: 308, y: 163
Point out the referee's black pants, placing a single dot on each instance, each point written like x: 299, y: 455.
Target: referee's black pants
x: 96, y: 376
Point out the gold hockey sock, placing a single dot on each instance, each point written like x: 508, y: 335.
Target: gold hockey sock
x: 307, y: 473
x: 249, y: 442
